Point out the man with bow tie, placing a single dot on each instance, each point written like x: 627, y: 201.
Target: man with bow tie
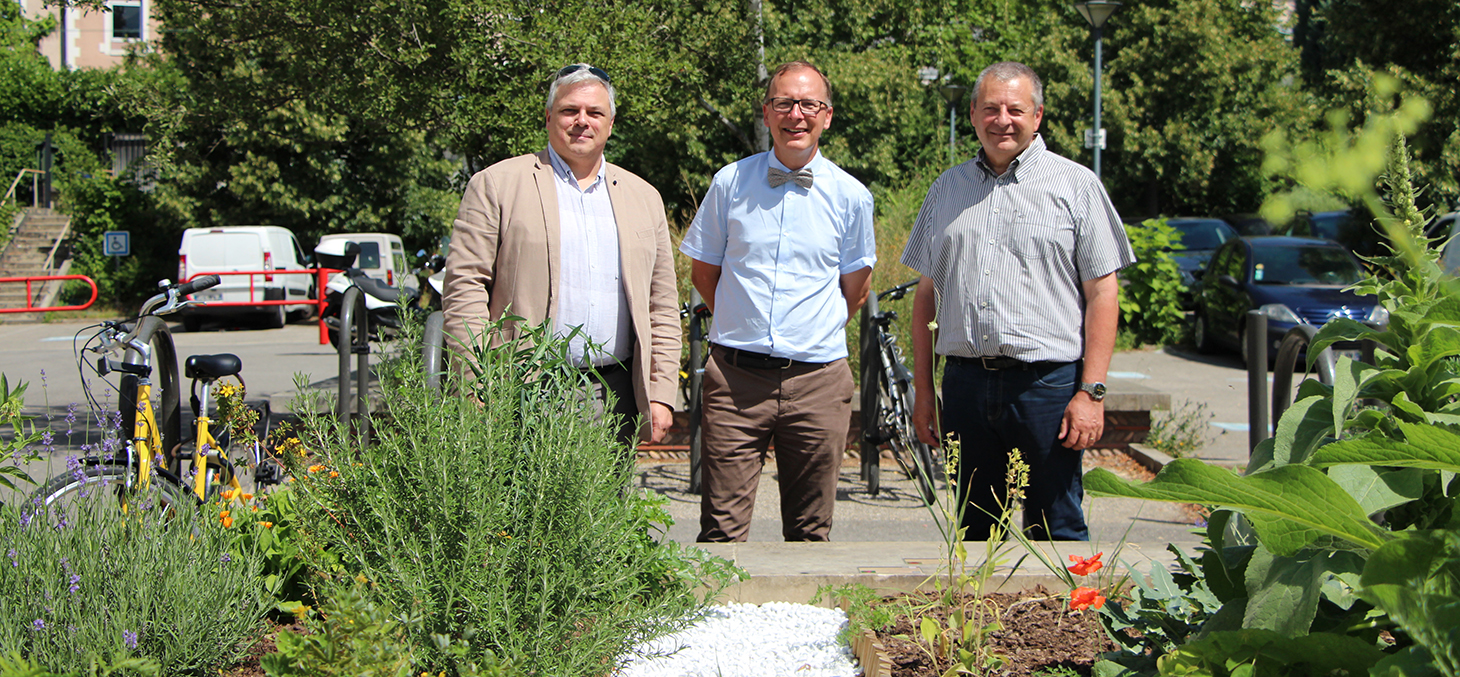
x: 782, y: 251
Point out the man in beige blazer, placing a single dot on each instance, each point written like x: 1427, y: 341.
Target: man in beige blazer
x: 563, y: 236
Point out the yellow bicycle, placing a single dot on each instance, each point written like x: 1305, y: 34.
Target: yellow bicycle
x: 150, y: 412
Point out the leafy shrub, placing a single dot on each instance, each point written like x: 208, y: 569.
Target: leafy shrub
x: 503, y: 515
x: 108, y: 586
x: 1150, y: 308
x: 1337, y: 551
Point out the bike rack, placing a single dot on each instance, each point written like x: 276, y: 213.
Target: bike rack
x: 870, y: 360
x: 1294, y: 342
x: 355, y: 339
x: 432, y: 340
x: 697, y: 359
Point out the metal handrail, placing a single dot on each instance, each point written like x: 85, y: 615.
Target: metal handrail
x: 51, y: 257
x: 30, y: 295
x: 35, y: 190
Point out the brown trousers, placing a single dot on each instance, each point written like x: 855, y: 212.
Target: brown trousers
x: 805, y: 411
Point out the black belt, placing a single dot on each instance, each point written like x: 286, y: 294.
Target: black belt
x: 750, y: 360
x: 996, y: 363
x: 605, y: 369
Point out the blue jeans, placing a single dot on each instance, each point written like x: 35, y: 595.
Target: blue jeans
x: 991, y: 412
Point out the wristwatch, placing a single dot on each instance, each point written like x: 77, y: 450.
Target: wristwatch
x: 1096, y: 390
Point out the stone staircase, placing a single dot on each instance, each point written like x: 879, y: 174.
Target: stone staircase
x: 34, y: 236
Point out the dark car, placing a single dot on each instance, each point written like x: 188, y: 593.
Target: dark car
x: 1292, y: 280
x: 1345, y: 227
x: 1249, y: 224
x: 1200, y: 238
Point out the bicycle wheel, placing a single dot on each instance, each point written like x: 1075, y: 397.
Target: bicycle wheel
x: 61, y: 497
x: 915, y: 457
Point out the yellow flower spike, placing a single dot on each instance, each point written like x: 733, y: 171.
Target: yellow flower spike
x: 361, y: 579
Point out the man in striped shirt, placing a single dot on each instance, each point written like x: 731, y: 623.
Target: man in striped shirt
x: 1018, y: 249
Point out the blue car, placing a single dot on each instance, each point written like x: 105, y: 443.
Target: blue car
x: 1200, y: 239
x: 1292, y: 280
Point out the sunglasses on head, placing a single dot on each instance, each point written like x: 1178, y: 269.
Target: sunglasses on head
x: 574, y: 68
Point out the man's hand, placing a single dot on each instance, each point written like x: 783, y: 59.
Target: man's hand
x: 660, y: 418
x: 1084, y: 422
x: 923, y: 421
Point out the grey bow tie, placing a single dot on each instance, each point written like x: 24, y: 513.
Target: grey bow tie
x: 776, y: 176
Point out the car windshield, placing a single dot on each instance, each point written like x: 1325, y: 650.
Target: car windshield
x: 1207, y: 234
x: 1304, y: 266
x: 1331, y: 226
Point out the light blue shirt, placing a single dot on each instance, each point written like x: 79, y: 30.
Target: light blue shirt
x: 782, y: 252
x: 590, y: 285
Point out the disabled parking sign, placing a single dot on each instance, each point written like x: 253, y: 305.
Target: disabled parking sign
x: 116, y: 243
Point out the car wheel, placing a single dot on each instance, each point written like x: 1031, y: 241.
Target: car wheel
x: 1202, y: 334
x: 275, y: 317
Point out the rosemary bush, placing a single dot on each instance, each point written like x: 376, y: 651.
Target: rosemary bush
x: 111, y: 586
x: 1183, y: 430
x: 502, y: 516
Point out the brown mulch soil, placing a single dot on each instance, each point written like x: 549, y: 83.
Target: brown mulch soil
x: 1039, y: 632
x: 249, y: 665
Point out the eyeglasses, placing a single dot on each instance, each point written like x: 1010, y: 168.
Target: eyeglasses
x: 783, y: 105
x: 574, y: 68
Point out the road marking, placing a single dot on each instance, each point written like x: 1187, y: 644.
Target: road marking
x: 1126, y: 374
x: 58, y: 338
x: 1232, y: 427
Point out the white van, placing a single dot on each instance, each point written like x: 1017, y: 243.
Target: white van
x: 245, y: 248
x: 382, y: 256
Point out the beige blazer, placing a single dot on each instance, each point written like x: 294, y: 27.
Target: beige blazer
x: 505, y: 252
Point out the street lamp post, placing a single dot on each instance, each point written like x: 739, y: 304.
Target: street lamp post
x: 953, y: 94
x: 1097, y: 12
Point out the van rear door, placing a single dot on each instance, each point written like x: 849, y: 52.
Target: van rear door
x: 227, y: 251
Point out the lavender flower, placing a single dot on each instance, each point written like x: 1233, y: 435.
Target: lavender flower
x: 226, y: 558
x: 75, y: 583
x: 38, y: 625
x: 130, y: 638
x: 25, y: 519
x: 14, y: 558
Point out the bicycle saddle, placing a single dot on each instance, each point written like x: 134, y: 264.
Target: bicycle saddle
x: 212, y: 367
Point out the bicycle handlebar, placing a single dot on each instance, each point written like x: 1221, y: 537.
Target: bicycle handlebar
x: 198, y: 284
x: 897, y: 292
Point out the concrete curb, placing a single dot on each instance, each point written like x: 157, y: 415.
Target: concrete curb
x: 792, y: 572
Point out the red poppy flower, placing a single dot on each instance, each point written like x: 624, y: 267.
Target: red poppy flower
x: 1084, y: 598
x: 1085, y: 567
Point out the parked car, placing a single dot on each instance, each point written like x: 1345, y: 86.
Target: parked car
x: 382, y: 256
x: 1346, y: 227
x: 1249, y: 224
x: 244, y: 248
x: 1292, y: 280
x: 1200, y: 238
x: 1443, y: 226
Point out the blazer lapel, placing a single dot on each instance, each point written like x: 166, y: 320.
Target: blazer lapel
x: 547, y: 190
x: 625, y: 218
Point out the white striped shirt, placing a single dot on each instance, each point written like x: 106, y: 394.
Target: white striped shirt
x: 1007, y: 255
x: 590, y: 286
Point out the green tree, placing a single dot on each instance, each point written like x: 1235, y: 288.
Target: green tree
x: 1191, y: 88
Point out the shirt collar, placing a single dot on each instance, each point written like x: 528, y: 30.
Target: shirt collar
x: 776, y: 162
x: 565, y: 173
x: 1029, y: 156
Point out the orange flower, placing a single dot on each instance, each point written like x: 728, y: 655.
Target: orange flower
x: 334, y: 473
x: 1084, y: 598
x: 228, y: 494
x: 316, y: 468
x: 223, y: 515
x: 248, y: 497
x: 227, y: 522
x: 1085, y: 567
x: 266, y: 525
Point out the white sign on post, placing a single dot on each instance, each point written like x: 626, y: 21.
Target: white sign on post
x: 116, y: 243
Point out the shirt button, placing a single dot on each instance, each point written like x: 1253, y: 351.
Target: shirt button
x: 985, y: 272
x: 985, y: 337
x: 991, y: 241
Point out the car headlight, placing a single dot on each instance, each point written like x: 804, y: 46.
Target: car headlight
x: 1379, y: 316
x: 1281, y: 313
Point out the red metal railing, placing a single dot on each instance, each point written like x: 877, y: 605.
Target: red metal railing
x: 322, y: 276
x: 30, y: 293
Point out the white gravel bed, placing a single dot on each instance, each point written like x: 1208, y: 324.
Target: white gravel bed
x: 744, y: 640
